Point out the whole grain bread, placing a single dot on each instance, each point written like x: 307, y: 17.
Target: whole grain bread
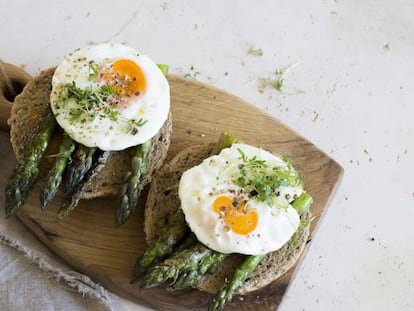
x: 163, y: 199
x: 26, y: 113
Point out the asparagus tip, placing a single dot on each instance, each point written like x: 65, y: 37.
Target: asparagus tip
x: 138, y: 272
x: 44, y: 202
x: 63, y: 212
x: 120, y: 217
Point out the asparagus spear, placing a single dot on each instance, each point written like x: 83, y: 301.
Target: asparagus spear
x: 54, y: 177
x: 191, y: 275
x: 130, y: 191
x: 302, y: 203
x: 189, y: 263
x: 81, y: 163
x: 171, y: 234
x: 72, y: 199
x: 173, y: 266
x: 26, y: 171
x: 227, y: 291
x: 225, y: 141
x: 189, y: 241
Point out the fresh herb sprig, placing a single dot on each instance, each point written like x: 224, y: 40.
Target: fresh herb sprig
x: 93, y: 72
x: 263, y: 180
x: 92, y: 103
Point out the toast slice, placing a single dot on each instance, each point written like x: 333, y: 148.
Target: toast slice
x: 163, y: 199
x: 26, y: 113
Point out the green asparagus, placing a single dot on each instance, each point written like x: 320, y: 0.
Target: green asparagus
x: 130, y: 191
x: 302, y: 203
x: 54, y: 177
x: 225, y: 141
x: 227, y: 291
x: 192, y: 275
x: 173, y: 266
x: 26, y: 171
x: 172, y: 234
x: 72, y: 199
x: 81, y: 163
x: 189, y: 241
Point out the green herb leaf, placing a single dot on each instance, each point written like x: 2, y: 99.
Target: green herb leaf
x: 92, y: 103
x: 93, y: 72
x: 263, y: 180
x: 303, y: 203
x: 192, y: 75
x: 277, y: 81
x: 254, y: 51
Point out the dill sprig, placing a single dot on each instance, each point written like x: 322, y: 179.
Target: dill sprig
x: 92, y: 103
x: 254, y: 51
x: 93, y: 72
x: 277, y: 81
x: 264, y: 181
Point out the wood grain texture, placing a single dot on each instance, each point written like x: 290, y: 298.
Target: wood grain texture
x: 88, y: 241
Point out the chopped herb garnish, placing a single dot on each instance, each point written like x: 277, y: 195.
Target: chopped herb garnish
x: 278, y: 83
x: 254, y: 51
x: 259, y: 178
x: 278, y: 80
x: 192, y: 75
x: 92, y: 103
x: 93, y: 72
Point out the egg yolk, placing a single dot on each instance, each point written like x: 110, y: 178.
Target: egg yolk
x: 126, y: 77
x: 235, y: 214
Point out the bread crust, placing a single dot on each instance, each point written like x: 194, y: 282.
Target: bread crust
x: 163, y: 199
x: 26, y: 113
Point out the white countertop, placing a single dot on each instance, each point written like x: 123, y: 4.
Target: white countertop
x: 351, y: 94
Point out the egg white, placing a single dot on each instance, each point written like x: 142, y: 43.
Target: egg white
x: 152, y: 106
x: 202, y: 184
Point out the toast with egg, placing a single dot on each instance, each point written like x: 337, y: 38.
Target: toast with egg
x: 30, y: 105
x: 163, y: 199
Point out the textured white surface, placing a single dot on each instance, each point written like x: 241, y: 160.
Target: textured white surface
x: 356, y: 63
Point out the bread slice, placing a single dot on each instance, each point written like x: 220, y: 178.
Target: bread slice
x: 163, y: 199
x: 26, y: 113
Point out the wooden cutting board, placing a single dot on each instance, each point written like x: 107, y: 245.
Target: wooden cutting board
x: 88, y: 241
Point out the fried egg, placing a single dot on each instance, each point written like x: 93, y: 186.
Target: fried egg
x: 239, y: 201
x: 109, y: 96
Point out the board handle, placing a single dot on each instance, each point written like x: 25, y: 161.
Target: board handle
x: 12, y: 81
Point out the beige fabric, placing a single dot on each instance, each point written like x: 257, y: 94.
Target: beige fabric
x: 23, y: 287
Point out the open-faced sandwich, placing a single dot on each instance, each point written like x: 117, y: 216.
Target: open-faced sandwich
x: 97, y: 125
x: 227, y: 219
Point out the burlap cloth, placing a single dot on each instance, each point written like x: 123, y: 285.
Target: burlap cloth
x: 32, y: 277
